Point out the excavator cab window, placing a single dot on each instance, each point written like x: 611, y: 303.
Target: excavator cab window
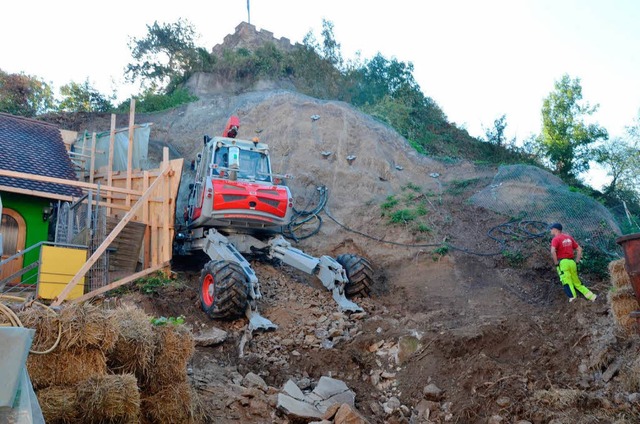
x: 254, y: 166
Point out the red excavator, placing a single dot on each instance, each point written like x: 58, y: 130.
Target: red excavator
x: 238, y: 207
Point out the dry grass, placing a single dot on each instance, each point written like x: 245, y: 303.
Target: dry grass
x: 59, y: 404
x: 630, y: 375
x: 174, y: 349
x: 619, y: 276
x: 65, y: 368
x: 135, y: 344
x: 172, y: 404
x: 84, y: 326
x: 559, y: 398
x: 110, y: 399
x: 622, y: 302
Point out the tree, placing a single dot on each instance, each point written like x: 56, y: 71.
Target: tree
x: 166, y: 55
x: 621, y: 159
x: 495, y: 135
x: 565, y: 140
x: 330, y: 47
x: 83, y: 98
x: 24, y: 95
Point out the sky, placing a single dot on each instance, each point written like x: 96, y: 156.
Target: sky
x: 477, y: 59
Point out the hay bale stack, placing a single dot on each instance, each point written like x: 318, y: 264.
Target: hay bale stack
x: 109, y: 399
x: 80, y: 326
x: 170, y: 405
x: 65, y: 368
x: 618, y: 273
x: 175, y: 346
x: 622, y: 302
x: 135, y: 343
x: 59, y: 405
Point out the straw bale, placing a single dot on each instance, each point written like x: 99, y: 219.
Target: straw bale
x: 135, y: 344
x: 110, y: 399
x: 59, y: 404
x: 618, y: 273
x: 83, y: 326
x: 171, y: 405
x: 63, y: 368
x: 622, y: 302
x: 630, y: 376
x: 174, y: 348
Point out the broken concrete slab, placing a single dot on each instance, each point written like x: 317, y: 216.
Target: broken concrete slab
x: 210, y: 337
x: 328, y: 392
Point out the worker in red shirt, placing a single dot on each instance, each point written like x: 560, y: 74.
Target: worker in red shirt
x: 566, y: 253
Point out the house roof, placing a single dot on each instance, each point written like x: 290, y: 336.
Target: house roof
x: 34, y: 147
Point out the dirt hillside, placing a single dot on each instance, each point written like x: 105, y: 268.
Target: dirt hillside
x: 457, y: 334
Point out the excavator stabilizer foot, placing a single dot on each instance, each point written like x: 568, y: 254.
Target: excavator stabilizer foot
x: 343, y: 303
x: 258, y: 322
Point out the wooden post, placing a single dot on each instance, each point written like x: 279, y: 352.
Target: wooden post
x: 112, y: 142
x: 154, y: 237
x: 107, y: 241
x: 146, y: 220
x: 82, y: 152
x: 166, y: 198
x: 93, y: 158
x: 132, y: 117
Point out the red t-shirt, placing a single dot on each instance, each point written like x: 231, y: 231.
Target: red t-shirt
x: 565, y: 245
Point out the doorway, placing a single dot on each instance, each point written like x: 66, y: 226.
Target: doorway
x: 14, y: 231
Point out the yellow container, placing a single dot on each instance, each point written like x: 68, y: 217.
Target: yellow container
x: 58, y: 265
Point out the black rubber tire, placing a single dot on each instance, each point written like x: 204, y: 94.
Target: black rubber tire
x: 359, y: 273
x: 224, y: 290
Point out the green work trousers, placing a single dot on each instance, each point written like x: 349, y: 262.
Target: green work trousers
x: 568, y: 272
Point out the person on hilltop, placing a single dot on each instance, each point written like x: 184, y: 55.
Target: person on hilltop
x: 566, y: 254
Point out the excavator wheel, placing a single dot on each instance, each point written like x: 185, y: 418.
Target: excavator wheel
x: 224, y: 290
x: 359, y: 273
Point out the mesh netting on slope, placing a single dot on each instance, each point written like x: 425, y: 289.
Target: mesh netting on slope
x: 528, y: 192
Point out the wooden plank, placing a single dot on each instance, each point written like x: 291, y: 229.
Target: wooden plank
x: 120, y: 282
x: 36, y: 193
x: 112, y: 142
x: 146, y: 243
x: 93, y: 158
x: 107, y: 241
x: 132, y: 118
x: 73, y: 183
x: 166, y: 238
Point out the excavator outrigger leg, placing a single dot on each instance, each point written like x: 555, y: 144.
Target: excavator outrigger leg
x: 230, y: 286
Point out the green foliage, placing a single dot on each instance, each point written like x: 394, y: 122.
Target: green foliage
x: 411, y: 186
x: 621, y: 159
x: 402, y: 216
x: 168, y: 321
x: 167, y: 53
x: 389, y: 203
x: 495, y: 134
x: 440, y: 251
x: 25, y: 95
x: 151, y: 284
x: 83, y: 98
x: 413, y: 210
x: 457, y: 187
x: 565, y: 140
x: 423, y: 228
x: 154, y: 102
x: 514, y: 258
x: 594, y: 262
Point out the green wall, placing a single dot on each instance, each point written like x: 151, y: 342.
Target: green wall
x: 30, y: 208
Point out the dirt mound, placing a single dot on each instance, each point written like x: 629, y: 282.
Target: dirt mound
x: 461, y: 327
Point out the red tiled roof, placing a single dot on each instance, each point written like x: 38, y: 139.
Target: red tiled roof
x: 34, y: 147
